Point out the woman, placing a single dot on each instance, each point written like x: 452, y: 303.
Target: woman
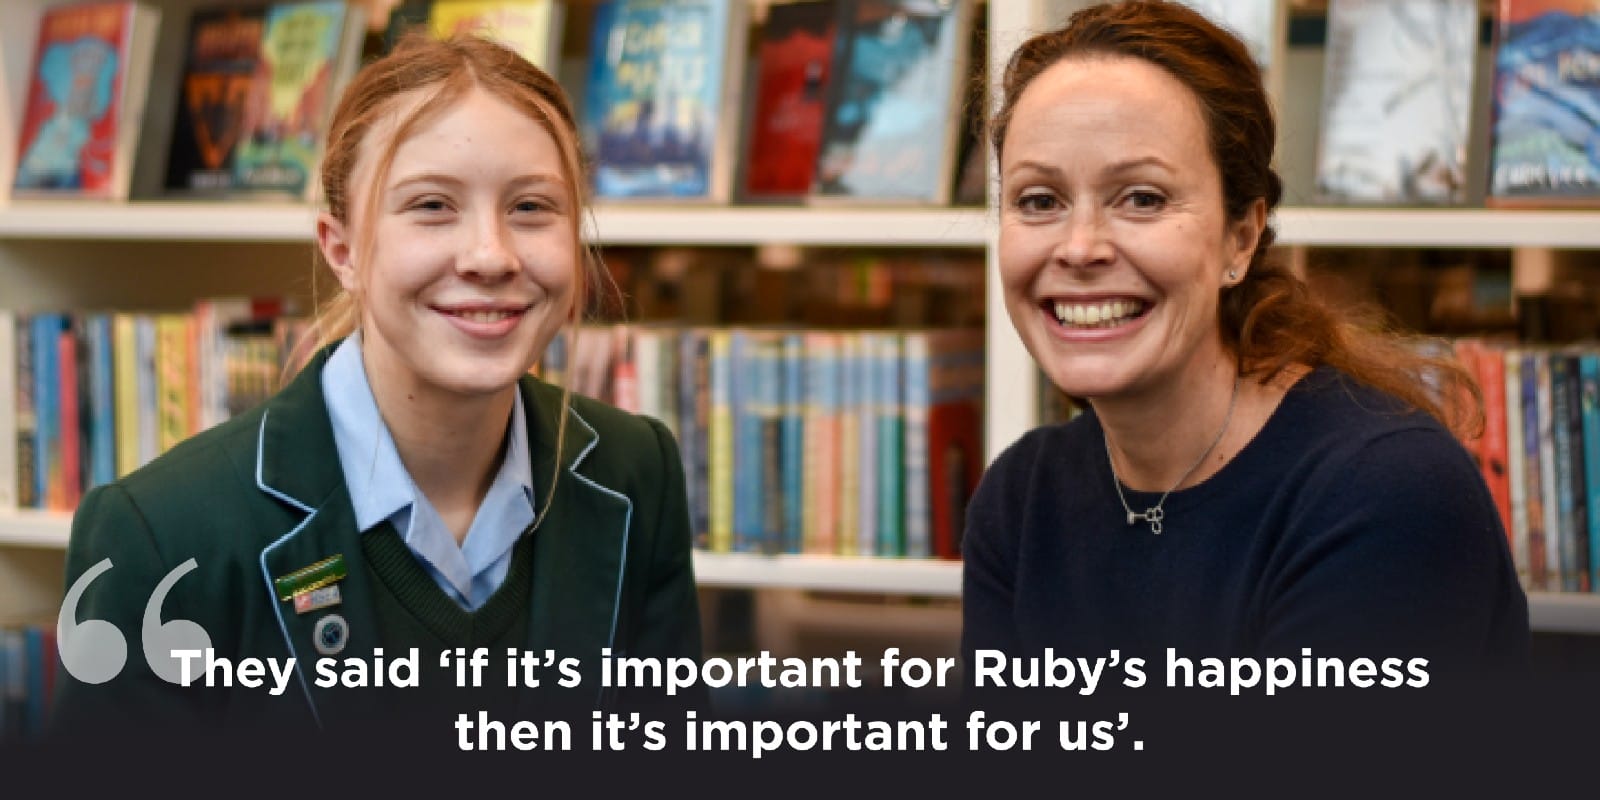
x: 1254, y: 475
x: 412, y: 487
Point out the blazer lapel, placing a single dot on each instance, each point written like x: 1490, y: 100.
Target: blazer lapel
x: 579, y: 548
x: 297, y: 463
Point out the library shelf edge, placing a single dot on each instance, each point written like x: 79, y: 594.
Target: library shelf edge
x: 609, y: 225
x: 827, y: 226
x: 49, y: 530
x: 1548, y: 612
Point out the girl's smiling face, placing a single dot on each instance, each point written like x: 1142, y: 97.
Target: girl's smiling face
x: 474, y: 255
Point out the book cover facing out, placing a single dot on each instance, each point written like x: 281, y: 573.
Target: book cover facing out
x: 1546, y: 141
x: 890, y: 130
x: 1397, y: 99
x: 68, y: 138
x: 290, y: 98
x: 526, y: 26
x: 786, y: 129
x: 655, y: 97
x: 214, y: 97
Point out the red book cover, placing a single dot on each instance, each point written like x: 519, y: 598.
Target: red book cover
x: 955, y: 462
x: 786, y: 130
x: 69, y: 134
x: 1495, y: 444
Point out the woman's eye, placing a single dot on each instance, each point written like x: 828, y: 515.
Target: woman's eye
x: 1036, y: 202
x: 1145, y: 200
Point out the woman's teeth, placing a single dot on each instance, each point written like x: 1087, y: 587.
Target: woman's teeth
x: 1097, y: 315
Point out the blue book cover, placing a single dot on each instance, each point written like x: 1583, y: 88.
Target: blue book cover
x: 743, y: 396
x: 1589, y: 375
x: 893, y: 109
x: 102, y: 464
x: 1546, y: 135
x: 299, y: 67
x: 656, y: 102
x: 46, y: 405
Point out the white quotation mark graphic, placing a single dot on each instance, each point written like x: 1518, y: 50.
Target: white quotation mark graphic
x: 94, y: 651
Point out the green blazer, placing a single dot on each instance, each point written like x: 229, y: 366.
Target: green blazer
x: 263, y: 495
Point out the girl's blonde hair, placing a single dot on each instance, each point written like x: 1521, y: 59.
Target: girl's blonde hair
x: 439, y: 72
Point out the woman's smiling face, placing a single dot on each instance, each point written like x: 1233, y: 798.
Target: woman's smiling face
x: 1114, y: 245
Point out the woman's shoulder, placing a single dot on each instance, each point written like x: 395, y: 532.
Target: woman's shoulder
x: 1329, y: 405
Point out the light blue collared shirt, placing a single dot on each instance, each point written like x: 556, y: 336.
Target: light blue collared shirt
x: 381, y: 488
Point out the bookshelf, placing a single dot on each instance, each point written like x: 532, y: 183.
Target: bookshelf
x: 213, y: 246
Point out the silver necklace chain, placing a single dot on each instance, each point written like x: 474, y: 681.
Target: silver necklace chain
x: 1154, y: 515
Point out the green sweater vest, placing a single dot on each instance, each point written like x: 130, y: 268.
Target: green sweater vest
x: 413, y: 611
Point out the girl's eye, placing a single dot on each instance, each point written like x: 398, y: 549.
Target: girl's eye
x: 429, y: 204
x: 529, y: 206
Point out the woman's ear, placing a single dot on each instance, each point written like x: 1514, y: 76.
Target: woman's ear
x: 333, y: 239
x: 1246, y: 235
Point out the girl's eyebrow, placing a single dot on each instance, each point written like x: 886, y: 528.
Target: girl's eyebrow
x: 451, y: 181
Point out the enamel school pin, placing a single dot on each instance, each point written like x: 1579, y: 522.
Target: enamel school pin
x: 314, y: 587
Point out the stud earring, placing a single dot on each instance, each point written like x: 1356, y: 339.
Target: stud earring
x: 1233, y: 275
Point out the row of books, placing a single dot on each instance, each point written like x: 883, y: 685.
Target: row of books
x: 1398, y: 92
x: 800, y: 441
x: 27, y: 680
x: 852, y: 99
x: 1540, y: 455
x: 861, y: 443
x: 86, y: 398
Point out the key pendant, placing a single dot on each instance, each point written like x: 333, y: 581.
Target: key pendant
x: 1154, y: 517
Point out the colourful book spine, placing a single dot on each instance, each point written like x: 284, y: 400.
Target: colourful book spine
x: 1549, y: 478
x: 172, y: 379
x: 721, y: 444
x: 1561, y: 452
x: 849, y: 465
x: 1575, y: 514
x: 27, y: 480
x: 1534, y: 472
x: 954, y: 437
x: 149, y: 388
x: 68, y: 481
x: 47, y: 407
x: 1589, y: 376
x: 103, y: 446
x: 769, y: 413
x: 8, y: 409
x: 694, y: 405
x: 891, y: 436
x: 821, y: 490
x: 125, y: 369
x: 743, y: 398
x: 1492, y: 379
x: 1515, y: 468
x: 794, y: 388
x: 867, y: 445
x: 918, y: 406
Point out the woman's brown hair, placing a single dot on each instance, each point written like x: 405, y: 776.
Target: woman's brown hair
x: 1269, y: 320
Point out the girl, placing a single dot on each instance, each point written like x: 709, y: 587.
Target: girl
x: 412, y: 487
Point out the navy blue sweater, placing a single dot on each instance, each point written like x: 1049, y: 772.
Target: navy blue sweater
x: 1346, y: 525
